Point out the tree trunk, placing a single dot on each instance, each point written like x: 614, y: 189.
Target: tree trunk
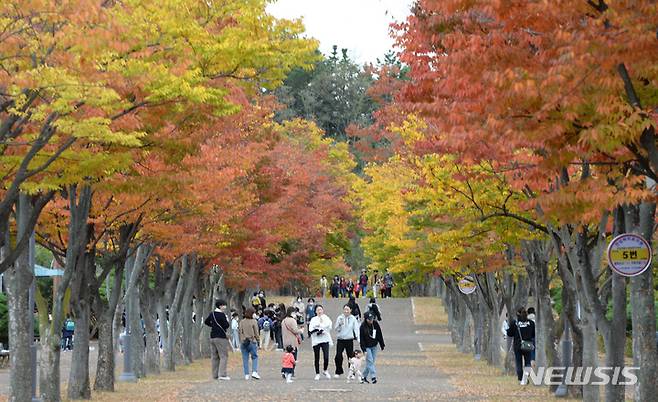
x: 79, y: 385
x: 136, y: 338
x: 187, y: 325
x: 537, y: 254
x: 590, y: 352
x: 105, y: 365
x: 178, y: 279
x: 152, y: 359
x: 149, y: 313
x: 614, y: 337
x: 19, y: 279
x: 106, y: 312
x: 644, y: 317
x: 49, y: 388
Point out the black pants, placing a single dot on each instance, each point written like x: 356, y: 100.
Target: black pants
x: 388, y: 292
x: 348, y: 347
x: 278, y: 336
x: 520, y: 355
x: 325, y: 355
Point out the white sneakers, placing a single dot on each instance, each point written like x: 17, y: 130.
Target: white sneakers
x: 246, y: 377
x: 288, y: 378
x: 326, y: 374
x: 336, y: 375
x: 225, y: 378
x: 255, y: 375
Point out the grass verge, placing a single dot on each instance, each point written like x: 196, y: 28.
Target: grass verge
x: 471, y: 379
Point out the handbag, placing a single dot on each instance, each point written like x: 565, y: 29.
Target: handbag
x: 297, y: 336
x: 526, y: 346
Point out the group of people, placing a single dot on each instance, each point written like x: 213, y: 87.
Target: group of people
x: 348, y: 287
x: 521, y: 334
x: 249, y: 333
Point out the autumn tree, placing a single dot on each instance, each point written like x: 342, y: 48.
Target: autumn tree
x: 551, y: 103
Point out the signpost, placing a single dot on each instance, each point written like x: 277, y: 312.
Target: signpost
x: 629, y: 254
x: 467, y: 285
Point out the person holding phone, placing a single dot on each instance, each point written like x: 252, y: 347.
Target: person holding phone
x: 347, y: 331
x: 320, y: 330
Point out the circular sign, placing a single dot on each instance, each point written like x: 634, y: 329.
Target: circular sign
x: 466, y: 285
x: 629, y: 254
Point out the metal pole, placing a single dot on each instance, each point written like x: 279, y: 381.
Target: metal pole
x: 562, y: 389
x: 33, y: 347
x: 127, y: 374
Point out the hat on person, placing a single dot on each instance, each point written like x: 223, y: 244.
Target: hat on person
x: 368, y: 316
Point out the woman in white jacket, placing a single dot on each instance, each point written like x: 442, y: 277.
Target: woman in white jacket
x: 320, y: 329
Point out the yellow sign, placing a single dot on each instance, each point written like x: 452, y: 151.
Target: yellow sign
x: 467, y: 285
x: 629, y: 254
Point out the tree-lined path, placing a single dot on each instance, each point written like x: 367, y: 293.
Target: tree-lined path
x: 402, y: 369
x: 162, y: 155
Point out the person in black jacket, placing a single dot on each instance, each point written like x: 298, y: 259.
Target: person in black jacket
x: 356, y: 311
x: 374, y: 309
x: 522, y: 329
x: 370, y: 336
x: 219, y: 345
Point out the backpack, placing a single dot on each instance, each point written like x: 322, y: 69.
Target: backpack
x: 266, y: 325
x: 70, y: 325
x: 373, y: 309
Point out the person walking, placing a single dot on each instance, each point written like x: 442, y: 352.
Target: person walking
x: 288, y: 362
x: 310, y: 313
x: 335, y: 287
x: 255, y: 301
x: 375, y: 282
x: 523, y: 331
x: 374, y: 309
x: 279, y: 315
x: 350, y: 287
x: 363, y: 283
x: 389, y: 283
x: 531, y: 317
x: 343, y: 287
x: 356, y: 310
x: 370, y: 336
x: 248, y: 330
x: 347, y: 331
x: 299, y: 303
x: 68, y: 329
x: 291, y: 332
x: 323, y: 286
x: 235, y: 335
x: 261, y: 296
x: 219, y: 345
x: 265, y: 324
x: 320, y: 329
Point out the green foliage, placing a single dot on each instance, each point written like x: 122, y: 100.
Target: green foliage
x: 43, y: 256
x: 333, y: 94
